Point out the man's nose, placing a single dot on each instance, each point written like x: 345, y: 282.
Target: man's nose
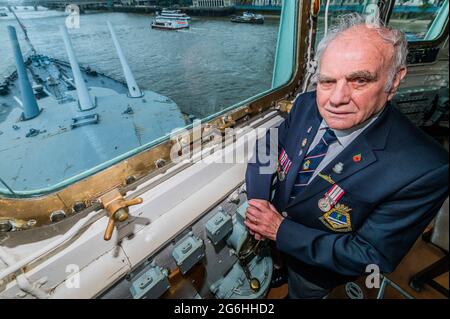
x: 341, y: 94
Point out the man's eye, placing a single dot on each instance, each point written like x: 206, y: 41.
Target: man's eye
x: 326, y: 83
x: 360, y: 81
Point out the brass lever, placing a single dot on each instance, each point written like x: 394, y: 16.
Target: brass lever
x: 117, y: 208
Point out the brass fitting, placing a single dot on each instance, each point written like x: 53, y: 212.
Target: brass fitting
x: 117, y: 208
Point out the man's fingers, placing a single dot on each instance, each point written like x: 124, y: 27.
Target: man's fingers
x: 254, y: 218
x: 257, y: 204
x: 272, y: 207
x: 253, y: 211
x: 251, y: 226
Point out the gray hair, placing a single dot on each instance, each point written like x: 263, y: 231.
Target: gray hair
x: 393, y: 36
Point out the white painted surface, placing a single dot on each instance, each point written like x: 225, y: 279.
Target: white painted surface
x: 166, y: 210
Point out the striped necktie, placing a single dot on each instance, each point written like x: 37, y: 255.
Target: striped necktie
x: 311, y: 162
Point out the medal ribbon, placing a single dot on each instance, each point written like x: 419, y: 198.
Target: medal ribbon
x: 334, y: 194
x: 285, y: 162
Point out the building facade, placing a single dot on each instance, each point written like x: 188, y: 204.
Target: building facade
x: 137, y: 2
x: 213, y: 3
x: 276, y: 3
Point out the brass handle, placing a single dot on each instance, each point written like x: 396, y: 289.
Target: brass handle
x: 134, y: 201
x: 121, y: 215
x: 109, y: 229
x: 117, y: 208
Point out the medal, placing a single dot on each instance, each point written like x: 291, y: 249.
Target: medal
x: 309, y: 130
x: 331, y: 197
x: 284, y: 164
x: 324, y: 204
x: 281, y: 175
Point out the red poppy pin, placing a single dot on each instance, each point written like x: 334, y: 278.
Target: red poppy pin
x: 357, y: 158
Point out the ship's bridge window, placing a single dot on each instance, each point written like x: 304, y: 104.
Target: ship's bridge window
x: 421, y: 20
x: 330, y: 10
x: 80, y: 93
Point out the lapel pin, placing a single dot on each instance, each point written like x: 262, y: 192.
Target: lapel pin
x: 304, y: 142
x: 357, y: 158
x: 338, y: 168
x: 309, y: 130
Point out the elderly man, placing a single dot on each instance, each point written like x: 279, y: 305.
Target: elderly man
x: 357, y: 183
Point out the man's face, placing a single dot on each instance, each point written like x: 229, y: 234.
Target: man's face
x: 353, y: 73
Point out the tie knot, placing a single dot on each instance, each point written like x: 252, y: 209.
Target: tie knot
x: 329, y: 136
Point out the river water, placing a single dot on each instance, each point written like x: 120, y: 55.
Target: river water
x: 204, y: 69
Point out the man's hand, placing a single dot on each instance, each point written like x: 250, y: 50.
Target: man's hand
x: 262, y: 219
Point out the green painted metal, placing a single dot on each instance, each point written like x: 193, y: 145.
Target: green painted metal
x: 285, y: 54
x: 438, y: 23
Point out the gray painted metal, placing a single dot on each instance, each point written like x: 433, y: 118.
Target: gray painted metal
x: 30, y: 107
x: 84, y: 98
x: 61, y: 149
x: 133, y: 88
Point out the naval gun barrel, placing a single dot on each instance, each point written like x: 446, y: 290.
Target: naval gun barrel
x: 131, y: 82
x: 84, y: 98
x: 30, y: 106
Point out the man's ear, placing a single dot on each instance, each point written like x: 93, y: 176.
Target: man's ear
x: 396, y: 83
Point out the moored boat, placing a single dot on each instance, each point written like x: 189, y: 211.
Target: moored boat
x: 248, y: 17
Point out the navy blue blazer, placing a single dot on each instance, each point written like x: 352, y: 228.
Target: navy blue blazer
x: 393, y: 188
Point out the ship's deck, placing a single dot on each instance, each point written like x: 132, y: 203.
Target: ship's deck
x: 67, y: 142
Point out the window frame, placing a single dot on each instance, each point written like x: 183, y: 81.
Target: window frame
x: 421, y: 43
x: 79, y: 193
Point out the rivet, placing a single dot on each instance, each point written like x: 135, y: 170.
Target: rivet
x: 57, y: 216
x: 5, y: 226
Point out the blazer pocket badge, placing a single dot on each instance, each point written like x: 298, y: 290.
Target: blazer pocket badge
x: 338, y: 218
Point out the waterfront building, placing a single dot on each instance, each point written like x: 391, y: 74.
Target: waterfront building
x: 213, y: 3
x: 276, y: 3
x: 138, y: 2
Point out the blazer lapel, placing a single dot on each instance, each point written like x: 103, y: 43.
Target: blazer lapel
x: 299, y: 154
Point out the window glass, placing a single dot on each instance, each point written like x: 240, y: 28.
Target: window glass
x: 420, y: 19
x: 327, y: 16
x: 58, y: 125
